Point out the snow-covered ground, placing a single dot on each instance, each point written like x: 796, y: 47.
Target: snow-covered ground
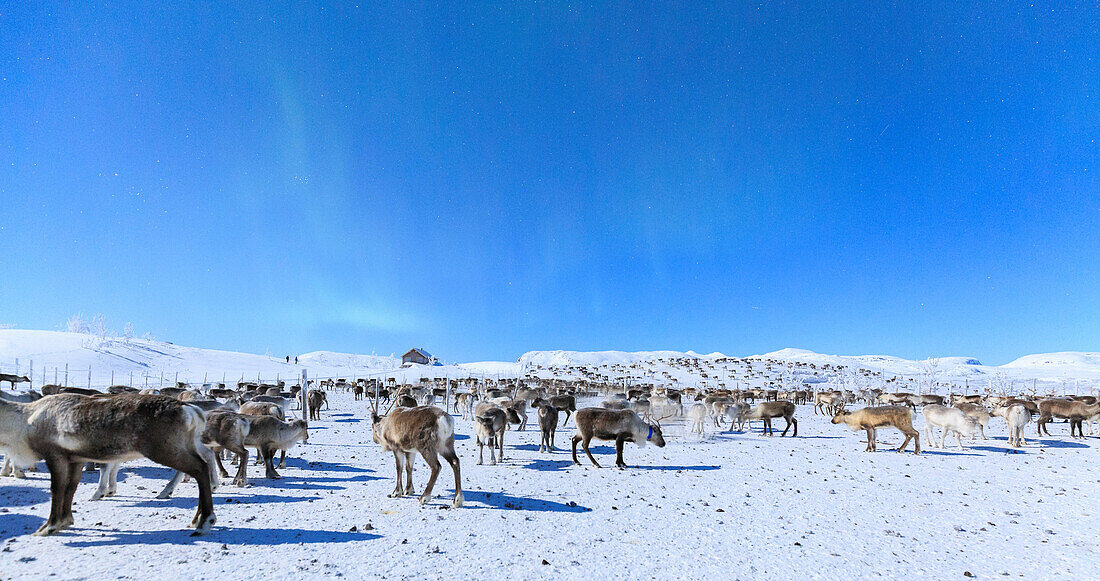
x: 725, y: 506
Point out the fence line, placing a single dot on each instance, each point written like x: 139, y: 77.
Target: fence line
x: 42, y: 373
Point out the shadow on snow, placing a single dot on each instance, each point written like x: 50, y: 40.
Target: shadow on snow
x: 502, y: 501
x: 229, y: 536
x: 17, y: 525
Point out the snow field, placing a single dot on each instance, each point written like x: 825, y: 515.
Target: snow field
x: 727, y: 505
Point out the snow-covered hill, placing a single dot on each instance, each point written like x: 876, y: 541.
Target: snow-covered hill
x: 99, y: 362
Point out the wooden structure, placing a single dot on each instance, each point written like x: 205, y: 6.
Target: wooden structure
x: 418, y: 355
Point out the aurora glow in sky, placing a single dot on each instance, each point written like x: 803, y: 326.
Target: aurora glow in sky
x: 482, y: 180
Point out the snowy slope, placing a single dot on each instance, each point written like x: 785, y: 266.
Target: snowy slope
x: 155, y: 363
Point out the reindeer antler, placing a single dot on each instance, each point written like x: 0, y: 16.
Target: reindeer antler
x: 658, y: 420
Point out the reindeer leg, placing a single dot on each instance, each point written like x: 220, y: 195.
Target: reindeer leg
x: 221, y: 468
x: 104, y: 482
x: 398, y: 458
x: 269, y: 462
x: 584, y: 443
x: 409, y: 472
x: 619, y: 442
x: 448, y: 453
x: 575, y: 440
x: 70, y: 491
x: 59, y: 483
x: 242, y: 471
x: 870, y: 441
x: 433, y: 463
x: 170, y: 487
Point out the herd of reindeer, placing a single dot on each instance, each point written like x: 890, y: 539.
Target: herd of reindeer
x: 192, y: 430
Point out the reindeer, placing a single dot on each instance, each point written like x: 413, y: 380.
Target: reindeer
x: 282, y: 402
x: 872, y: 418
x: 266, y: 433
x: 67, y: 430
x: 697, y: 415
x: 956, y: 398
x: 259, y: 408
x: 738, y: 414
x: 229, y: 431
x: 314, y: 399
x: 464, y: 402
x: 491, y: 423
x: 621, y: 426
x: 951, y: 420
x: 1016, y: 416
x: 14, y: 379
x: 926, y: 399
x: 269, y: 435
x: 548, y: 425
x: 774, y: 409
x: 1074, y: 411
x: 897, y: 398
x: 562, y: 403
x: 79, y: 391
x: 826, y: 401
x: 427, y: 430
x: 976, y: 412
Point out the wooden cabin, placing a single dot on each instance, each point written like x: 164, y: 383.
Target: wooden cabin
x: 417, y: 355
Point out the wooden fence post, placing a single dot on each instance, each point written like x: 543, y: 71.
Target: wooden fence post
x: 303, y: 395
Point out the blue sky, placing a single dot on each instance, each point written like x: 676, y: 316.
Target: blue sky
x: 908, y: 179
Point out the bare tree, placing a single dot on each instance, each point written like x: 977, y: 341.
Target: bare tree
x: 77, y: 324
x: 128, y: 331
x: 999, y: 383
x: 99, y: 325
x: 931, y: 372
x: 791, y: 380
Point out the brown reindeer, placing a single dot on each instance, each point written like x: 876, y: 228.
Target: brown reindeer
x: 774, y: 409
x: 872, y: 418
x: 562, y: 403
x: 427, y: 430
x: 548, y: 425
x: 314, y: 399
x: 491, y: 423
x: 67, y: 430
x: 619, y: 425
x: 1074, y: 411
x: 14, y: 379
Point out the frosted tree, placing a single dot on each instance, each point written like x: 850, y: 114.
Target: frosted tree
x: 999, y: 383
x: 99, y: 325
x: 128, y: 331
x: 77, y: 324
x: 791, y: 380
x: 931, y: 372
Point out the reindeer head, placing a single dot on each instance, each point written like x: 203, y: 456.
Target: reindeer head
x: 656, y: 436
x: 304, y: 428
